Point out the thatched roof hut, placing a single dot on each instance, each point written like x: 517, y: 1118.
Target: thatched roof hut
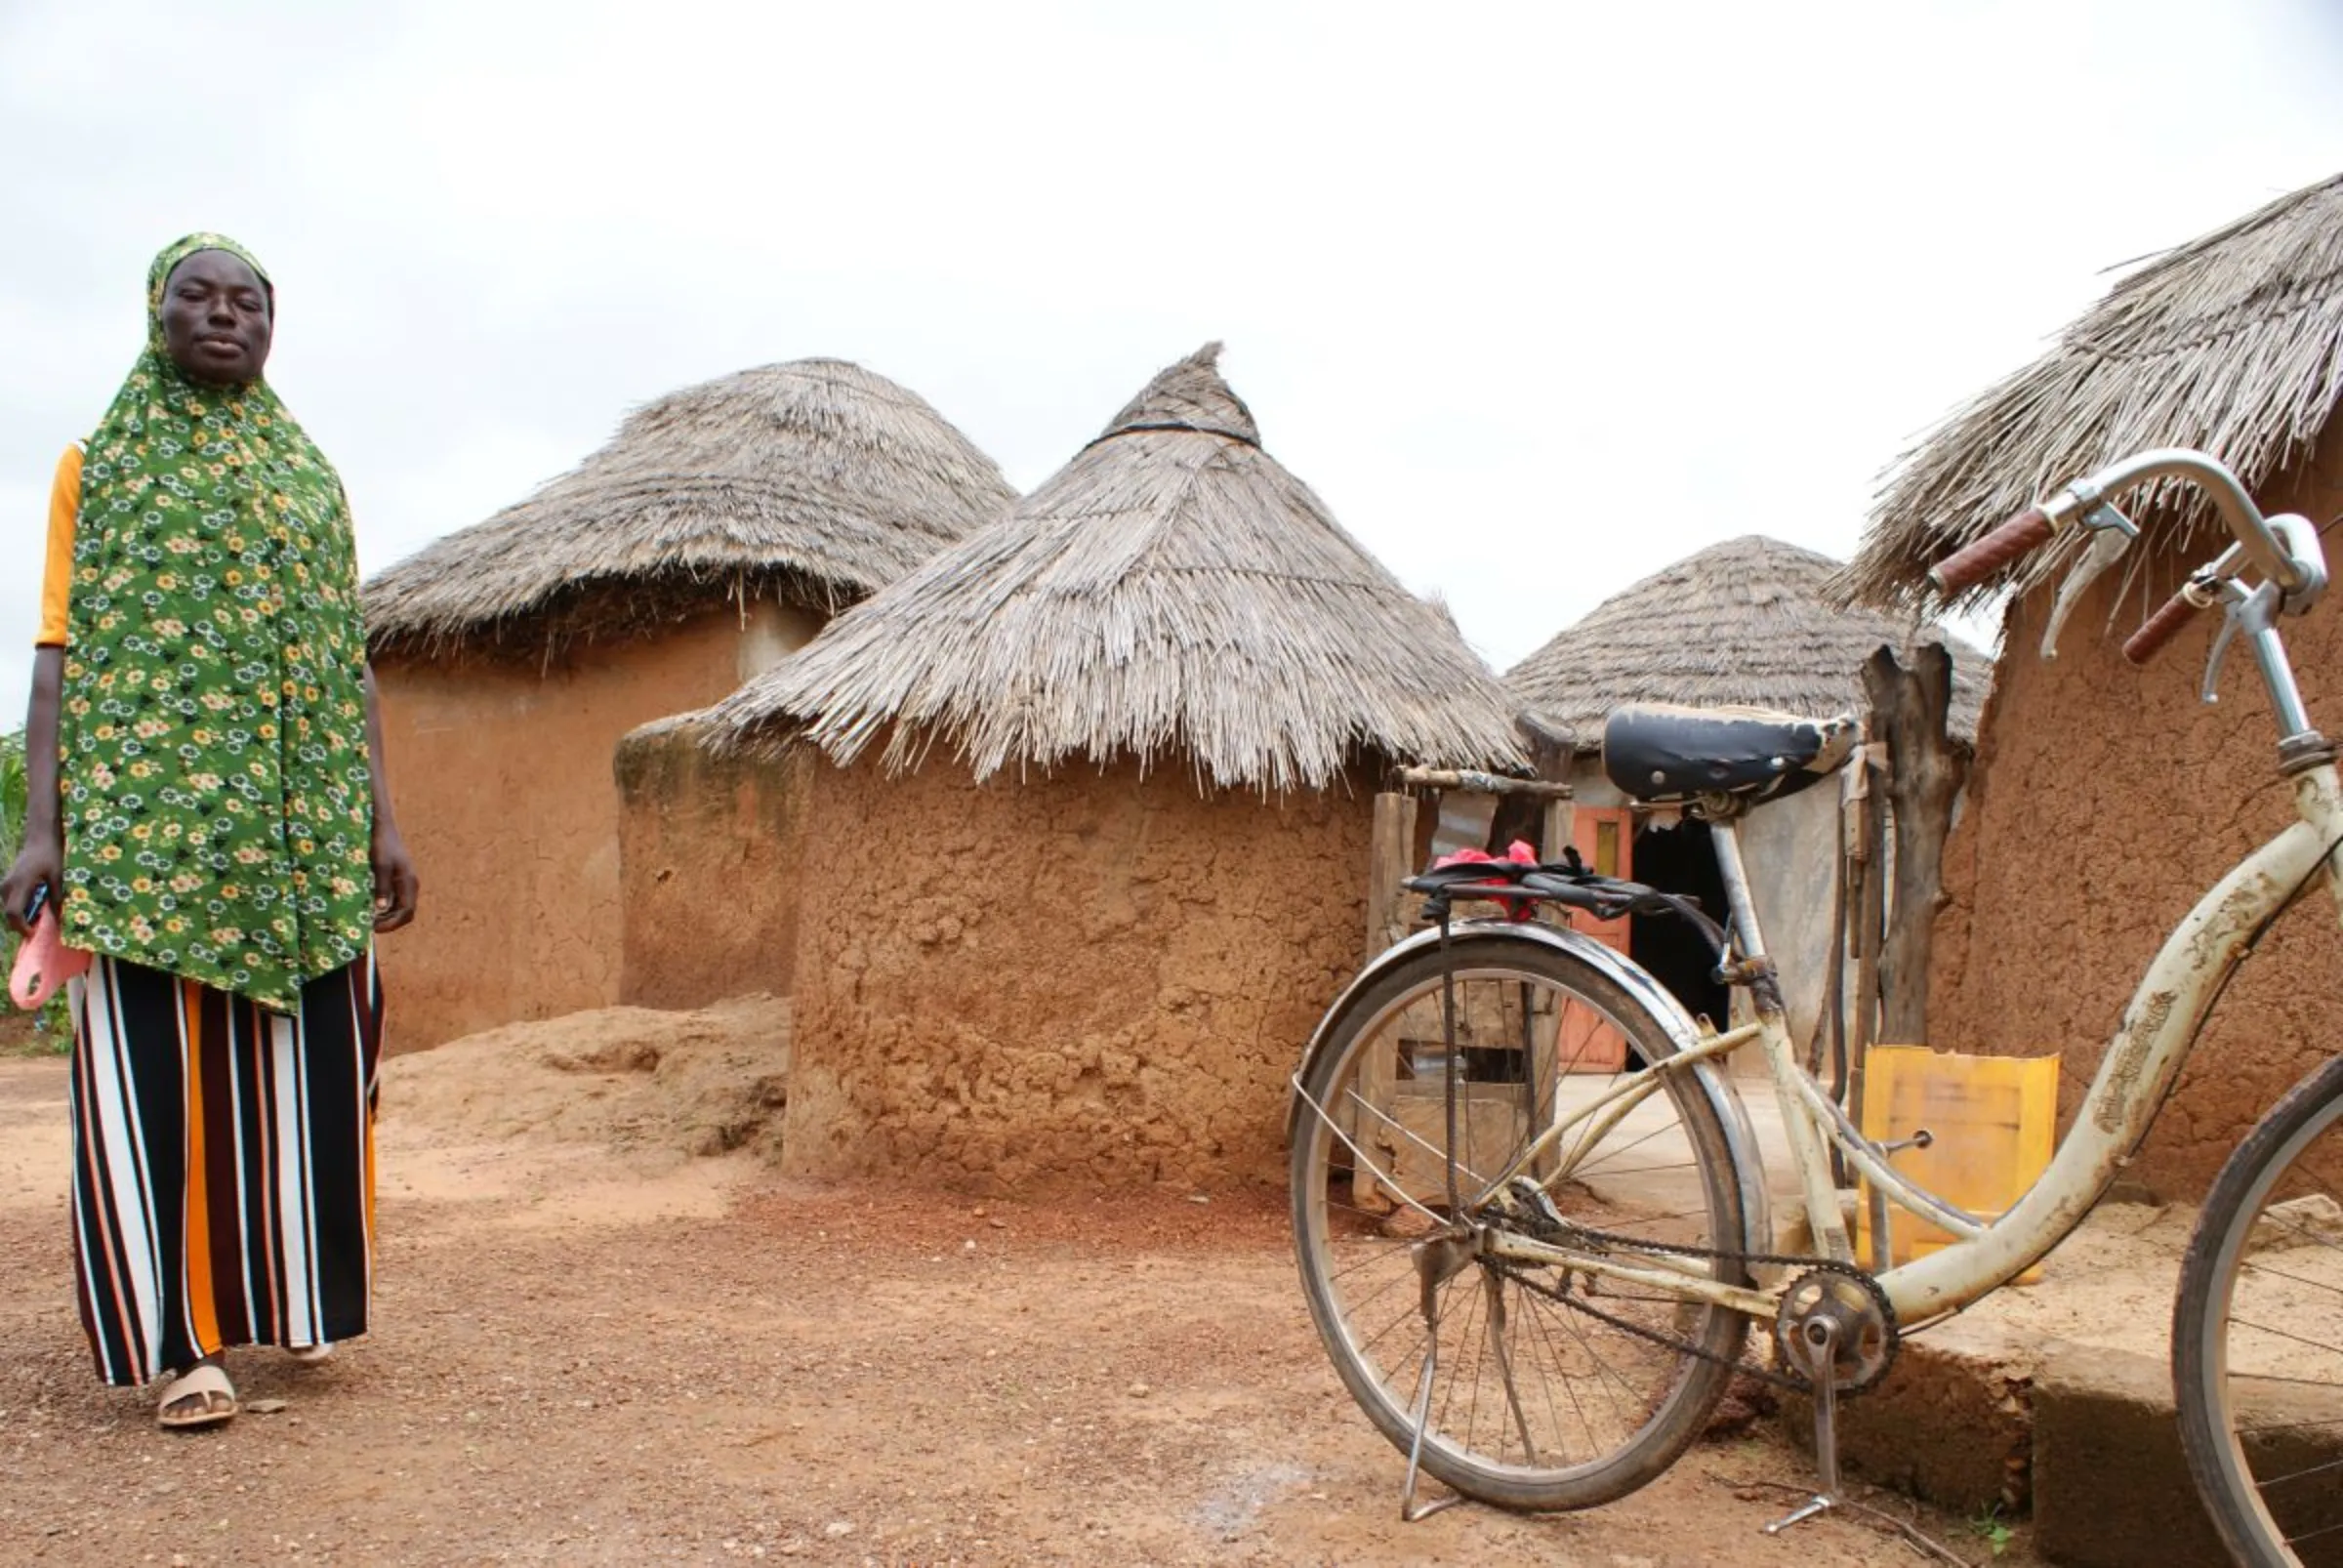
x: 715, y: 533
x: 1123, y: 746
x: 817, y: 482
x: 1746, y: 622
x: 1171, y: 590
x: 2232, y: 342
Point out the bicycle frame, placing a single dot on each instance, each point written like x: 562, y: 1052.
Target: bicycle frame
x: 2159, y: 1028
x: 2151, y: 1043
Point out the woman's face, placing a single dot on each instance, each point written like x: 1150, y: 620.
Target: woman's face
x: 216, y: 318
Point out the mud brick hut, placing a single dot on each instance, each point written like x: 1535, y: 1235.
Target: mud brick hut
x: 1092, y: 856
x: 2104, y: 799
x: 717, y: 531
x: 1743, y: 623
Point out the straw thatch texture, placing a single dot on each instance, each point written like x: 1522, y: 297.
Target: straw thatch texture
x: 1745, y: 622
x: 817, y: 481
x: 2232, y: 344
x: 1172, y: 589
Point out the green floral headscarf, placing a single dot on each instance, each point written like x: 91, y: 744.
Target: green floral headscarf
x: 217, y: 800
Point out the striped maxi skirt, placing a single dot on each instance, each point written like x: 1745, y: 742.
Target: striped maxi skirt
x: 222, y: 1166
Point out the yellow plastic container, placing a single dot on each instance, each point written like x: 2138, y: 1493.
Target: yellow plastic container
x: 1993, y: 1120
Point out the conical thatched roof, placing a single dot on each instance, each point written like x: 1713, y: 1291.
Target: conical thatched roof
x: 2232, y: 344
x: 1172, y: 589
x: 817, y: 481
x: 1745, y: 622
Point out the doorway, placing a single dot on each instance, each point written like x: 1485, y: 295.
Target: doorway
x: 1680, y: 858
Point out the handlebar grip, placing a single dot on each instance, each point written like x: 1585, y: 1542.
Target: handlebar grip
x: 2161, y: 628
x: 1973, y: 564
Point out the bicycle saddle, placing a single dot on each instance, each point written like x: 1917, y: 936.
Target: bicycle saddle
x: 1660, y: 752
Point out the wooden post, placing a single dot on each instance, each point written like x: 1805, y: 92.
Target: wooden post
x: 1560, y: 830
x: 1926, y: 768
x: 1390, y: 863
x: 1551, y: 752
x: 1867, y: 915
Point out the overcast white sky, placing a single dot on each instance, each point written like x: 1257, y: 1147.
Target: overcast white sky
x: 1540, y: 298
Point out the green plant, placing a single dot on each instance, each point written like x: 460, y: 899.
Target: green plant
x: 53, y: 1025
x: 1989, y: 1527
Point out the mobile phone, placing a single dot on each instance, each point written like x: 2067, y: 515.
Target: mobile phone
x: 40, y: 897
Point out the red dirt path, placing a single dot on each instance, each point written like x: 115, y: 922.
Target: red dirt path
x: 590, y: 1358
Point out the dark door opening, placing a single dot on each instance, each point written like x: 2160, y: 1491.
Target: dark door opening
x: 1680, y: 860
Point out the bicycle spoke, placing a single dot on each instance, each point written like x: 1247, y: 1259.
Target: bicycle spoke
x: 2327, y: 1469
x: 2267, y: 1272
x: 2281, y: 1333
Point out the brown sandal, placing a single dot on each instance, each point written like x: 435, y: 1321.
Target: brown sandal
x: 204, y: 1382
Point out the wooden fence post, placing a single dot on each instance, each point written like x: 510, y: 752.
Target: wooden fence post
x: 1390, y: 863
x: 1552, y: 750
x: 1925, y: 771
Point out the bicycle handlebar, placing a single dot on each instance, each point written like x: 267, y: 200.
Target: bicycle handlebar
x: 1979, y: 560
x: 2258, y: 543
x: 2256, y: 537
x: 2160, y: 628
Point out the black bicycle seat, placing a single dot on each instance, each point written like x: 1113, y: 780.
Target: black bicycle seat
x: 1662, y: 753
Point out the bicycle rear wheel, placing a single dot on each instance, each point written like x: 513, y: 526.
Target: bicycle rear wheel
x: 2257, y: 1335
x: 1547, y: 1387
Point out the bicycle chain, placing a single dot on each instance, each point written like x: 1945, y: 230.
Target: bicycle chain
x: 1796, y: 1381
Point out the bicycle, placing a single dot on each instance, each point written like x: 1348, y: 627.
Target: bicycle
x: 1530, y: 1213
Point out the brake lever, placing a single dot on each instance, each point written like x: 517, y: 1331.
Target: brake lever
x: 2112, y: 534
x: 2255, y: 611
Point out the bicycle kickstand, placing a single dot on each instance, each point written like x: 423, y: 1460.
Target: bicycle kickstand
x: 1410, y: 1511
x: 1818, y: 1339
x: 1432, y: 1267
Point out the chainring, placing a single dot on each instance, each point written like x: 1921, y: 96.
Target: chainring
x: 1865, y: 1341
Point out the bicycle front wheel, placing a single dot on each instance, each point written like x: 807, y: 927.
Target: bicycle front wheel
x: 2257, y: 1335
x: 1524, y: 1387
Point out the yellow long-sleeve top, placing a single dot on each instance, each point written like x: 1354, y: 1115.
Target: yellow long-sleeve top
x: 57, y: 581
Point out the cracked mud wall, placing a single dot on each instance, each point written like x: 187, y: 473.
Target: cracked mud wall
x: 709, y: 855
x: 2105, y: 799
x: 1087, y: 978
x: 502, y: 777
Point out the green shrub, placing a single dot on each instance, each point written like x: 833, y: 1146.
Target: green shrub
x: 53, y: 1025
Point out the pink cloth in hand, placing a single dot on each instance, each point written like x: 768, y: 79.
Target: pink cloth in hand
x: 44, y: 963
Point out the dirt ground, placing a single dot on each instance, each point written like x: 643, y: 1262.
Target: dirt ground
x: 608, y: 1334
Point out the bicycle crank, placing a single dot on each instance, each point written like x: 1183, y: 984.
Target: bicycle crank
x: 1838, y: 1330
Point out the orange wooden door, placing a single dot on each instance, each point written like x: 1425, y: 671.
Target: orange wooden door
x: 1605, y: 836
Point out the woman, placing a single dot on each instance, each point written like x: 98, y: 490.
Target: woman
x: 208, y: 813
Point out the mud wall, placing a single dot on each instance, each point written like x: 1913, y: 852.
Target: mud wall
x: 2105, y: 799
x: 709, y: 851
x: 502, y: 777
x: 1090, y: 977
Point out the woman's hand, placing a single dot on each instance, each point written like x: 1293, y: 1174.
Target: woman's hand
x: 395, y: 882
x: 41, y: 864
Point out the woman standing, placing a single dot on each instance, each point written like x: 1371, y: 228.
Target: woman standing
x: 208, y: 809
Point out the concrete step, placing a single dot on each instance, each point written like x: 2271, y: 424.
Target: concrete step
x: 2053, y: 1400
x: 2110, y: 1486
